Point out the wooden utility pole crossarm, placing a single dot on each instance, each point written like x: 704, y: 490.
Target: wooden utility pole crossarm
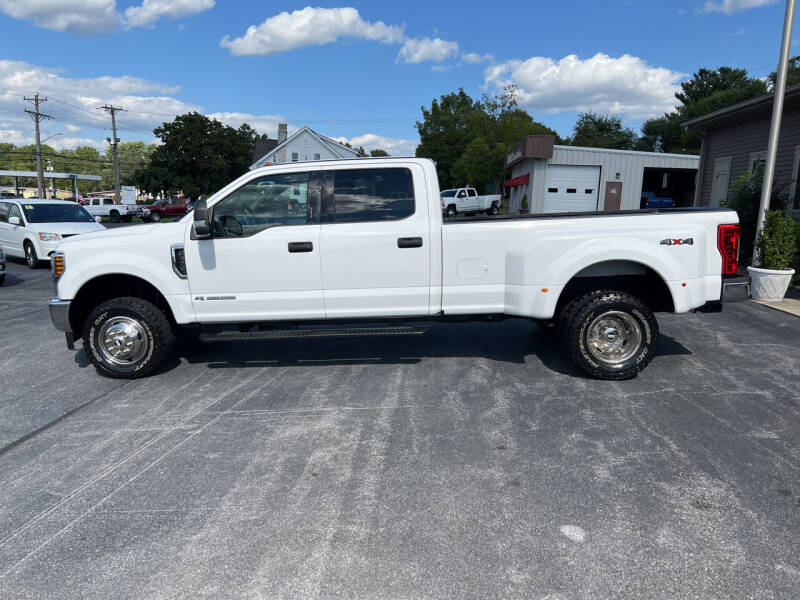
x: 113, y: 110
x: 37, y: 117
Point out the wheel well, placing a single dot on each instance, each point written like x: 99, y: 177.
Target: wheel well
x: 98, y: 290
x: 623, y: 276
x: 112, y: 211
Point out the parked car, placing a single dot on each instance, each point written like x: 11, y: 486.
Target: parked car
x: 467, y: 201
x: 286, y: 248
x: 105, y: 207
x: 2, y: 265
x: 166, y: 207
x: 31, y: 229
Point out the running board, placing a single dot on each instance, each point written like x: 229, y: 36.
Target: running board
x: 283, y: 334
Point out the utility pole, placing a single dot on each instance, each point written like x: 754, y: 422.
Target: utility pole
x: 775, y: 126
x: 37, y: 117
x: 113, y: 110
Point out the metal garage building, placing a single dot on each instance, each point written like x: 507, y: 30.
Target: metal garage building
x: 555, y: 178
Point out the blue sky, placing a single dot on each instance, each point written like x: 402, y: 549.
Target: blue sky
x: 359, y: 70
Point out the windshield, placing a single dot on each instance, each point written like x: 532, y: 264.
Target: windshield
x: 56, y: 213
x: 448, y: 193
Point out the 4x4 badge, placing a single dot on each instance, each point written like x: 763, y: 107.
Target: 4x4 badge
x: 678, y: 242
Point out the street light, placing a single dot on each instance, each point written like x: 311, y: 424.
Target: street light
x: 50, y: 136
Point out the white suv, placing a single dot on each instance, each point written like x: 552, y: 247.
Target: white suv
x: 31, y: 229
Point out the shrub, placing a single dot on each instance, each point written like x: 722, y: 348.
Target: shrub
x: 524, y: 203
x: 776, y: 245
x: 744, y: 196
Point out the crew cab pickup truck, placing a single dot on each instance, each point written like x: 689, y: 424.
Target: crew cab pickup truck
x: 105, y: 207
x: 166, y: 207
x: 467, y: 201
x: 359, y: 247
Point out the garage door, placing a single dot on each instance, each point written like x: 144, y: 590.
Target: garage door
x: 571, y: 188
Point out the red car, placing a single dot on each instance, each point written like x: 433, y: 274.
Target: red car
x: 166, y: 207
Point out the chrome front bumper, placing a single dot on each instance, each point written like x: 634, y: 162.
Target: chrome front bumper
x: 59, y: 314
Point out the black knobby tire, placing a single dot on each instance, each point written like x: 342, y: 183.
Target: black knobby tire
x: 30, y: 256
x: 451, y: 211
x: 155, y: 217
x: 588, y: 314
x: 156, y: 333
x: 114, y: 216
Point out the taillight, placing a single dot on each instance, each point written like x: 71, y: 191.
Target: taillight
x: 728, y: 244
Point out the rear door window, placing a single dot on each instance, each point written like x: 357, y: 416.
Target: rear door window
x: 361, y: 195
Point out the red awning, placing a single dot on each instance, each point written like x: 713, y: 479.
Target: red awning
x: 521, y: 180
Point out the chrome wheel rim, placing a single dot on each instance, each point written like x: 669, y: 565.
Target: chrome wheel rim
x: 613, y: 338
x: 122, y: 341
x: 28, y: 255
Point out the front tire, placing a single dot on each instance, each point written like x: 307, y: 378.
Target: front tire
x: 451, y: 211
x: 609, y: 334
x: 30, y: 256
x: 155, y: 217
x: 127, y: 338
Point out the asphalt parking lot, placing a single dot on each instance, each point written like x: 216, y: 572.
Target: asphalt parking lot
x: 471, y: 462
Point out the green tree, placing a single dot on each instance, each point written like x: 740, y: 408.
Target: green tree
x: 603, y: 131
x: 378, y: 152
x: 469, y: 139
x: 446, y: 129
x: 707, y: 91
x: 792, y: 74
x: 198, y: 155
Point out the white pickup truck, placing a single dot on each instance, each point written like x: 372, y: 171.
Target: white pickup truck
x: 467, y: 201
x: 105, y: 207
x: 330, y: 248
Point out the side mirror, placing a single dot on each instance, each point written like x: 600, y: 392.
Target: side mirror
x: 98, y: 219
x: 13, y: 220
x: 202, y: 220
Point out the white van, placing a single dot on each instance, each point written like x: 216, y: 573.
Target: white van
x: 31, y: 229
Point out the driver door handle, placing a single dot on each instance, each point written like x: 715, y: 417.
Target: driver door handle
x: 301, y: 247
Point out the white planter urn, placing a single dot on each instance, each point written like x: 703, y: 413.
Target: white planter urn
x: 769, y: 285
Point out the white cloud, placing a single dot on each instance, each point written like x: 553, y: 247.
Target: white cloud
x: 417, y: 50
x: 80, y: 17
x: 625, y: 85
x: 733, y: 6
x: 96, y: 17
x: 151, y: 11
x: 261, y: 123
x: 474, y: 58
x: 309, y: 27
x: 73, y: 102
x: 370, y: 141
x: 71, y: 128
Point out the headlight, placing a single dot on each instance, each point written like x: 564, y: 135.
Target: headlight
x: 50, y: 237
x: 145, y: 211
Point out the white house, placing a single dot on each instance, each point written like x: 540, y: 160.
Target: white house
x: 304, y: 144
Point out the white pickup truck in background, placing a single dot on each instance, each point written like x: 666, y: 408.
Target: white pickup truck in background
x: 287, y: 248
x: 467, y: 201
x: 105, y: 207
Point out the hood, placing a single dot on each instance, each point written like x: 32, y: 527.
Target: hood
x: 120, y: 235
x: 65, y: 228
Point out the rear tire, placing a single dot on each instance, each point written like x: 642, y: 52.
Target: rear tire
x: 608, y: 334
x: 114, y: 215
x: 30, y: 256
x: 127, y: 338
x: 493, y: 210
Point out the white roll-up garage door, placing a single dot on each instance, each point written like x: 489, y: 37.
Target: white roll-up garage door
x: 571, y: 188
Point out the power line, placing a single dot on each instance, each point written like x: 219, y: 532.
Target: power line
x: 37, y: 117
x: 113, y: 110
